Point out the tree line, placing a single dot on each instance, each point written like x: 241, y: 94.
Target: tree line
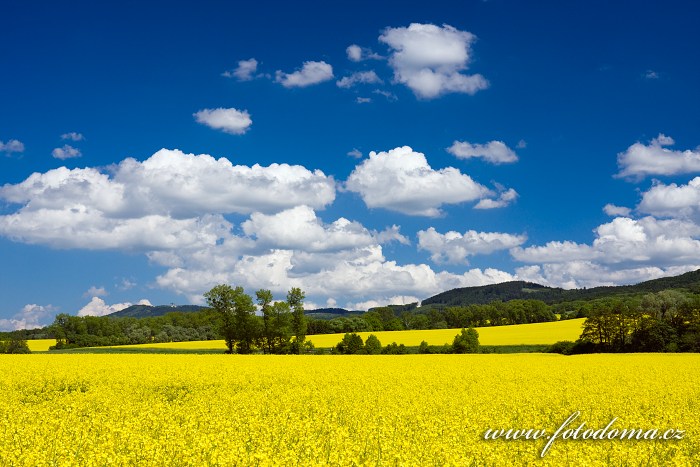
x: 391, y: 318
x: 467, y: 341
x: 667, y: 321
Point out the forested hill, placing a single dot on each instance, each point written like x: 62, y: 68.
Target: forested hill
x: 146, y: 311
x: 689, y: 281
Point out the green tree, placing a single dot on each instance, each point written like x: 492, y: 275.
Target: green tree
x: 372, y: 345
x: 280, y: 328
x: 424, y: 348
x: 14, y: 345
x: 351, y: 344
x: 295, y: 300
x: 264, y: 298
x: 467, y: 341
x: 237, y: 313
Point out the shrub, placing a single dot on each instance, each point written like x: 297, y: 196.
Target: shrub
x: 467, y: 341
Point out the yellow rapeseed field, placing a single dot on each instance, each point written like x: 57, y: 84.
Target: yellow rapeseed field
x: 40, y: 345
x: 422, y: 410
x: 518, y: 334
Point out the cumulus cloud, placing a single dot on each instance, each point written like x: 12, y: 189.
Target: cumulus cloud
x: 300, y: 228
x: 95, y: 292
x: 245, y: 71
x: 66, y: 152
x: 672, y: 200
x: 401, y: 180
x: 11, y: 146
x: 32, y: 316
x: 355, y: 153
x: 613, y: 210
x: 454, y: 247
x: 360, y: 77
x: 357, y: 54
x: 171, y: 200
x: 429, y: 59
x: 504, y: 199
x: 72, y: 136
x: 655, y: 158
x: 98, y: 307
x: 357, y: 273
x: 232, y: 121
x: 310, y: 73
x: 495, y: 152
x: 623, y: 249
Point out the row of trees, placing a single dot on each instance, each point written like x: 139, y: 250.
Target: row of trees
x: 467, y: 341
x: 93, y: 331
x: 667, y: 321
x: 281, y: 329
x: 391, y: 319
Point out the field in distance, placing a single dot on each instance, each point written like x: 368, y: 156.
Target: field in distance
x: 515, y: 335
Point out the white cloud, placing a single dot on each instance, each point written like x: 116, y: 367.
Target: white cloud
x: 171, y: 200
x: 72, y: 136
x: 300, y: 228
x: 454, y: 247
x: 95, y: 292
x: 232, y: 121
x: 623, y: 251
x: 66, y: 152
x: 640, y: 160
x: 672, y: 200
x: 245, y: 71
x: 360, y: 77
x: 126, y: 284
x: 578, y: 274
x: 401, y: 180
x: 32, y: 316
x: 355, y: 153
x: 651, y: 74
x: 309, y: 74
x: 495, y: 152
x: 390, y: 234
x: 389, y: 96
x: 359, y: 274
x: 98, y: 307
x: 429, y: 59
x: 363, y: 100
x: 504, y: 199
x: 357, y: 54
x: 354, y: 53
x: 613, y: 210
x: 11, y: 146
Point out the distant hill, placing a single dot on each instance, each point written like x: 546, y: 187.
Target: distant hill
x: 505, y: 291
x: 145, y: 311
x: 330, y: 313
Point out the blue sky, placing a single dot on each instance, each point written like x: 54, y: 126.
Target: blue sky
x: 151, y: 151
